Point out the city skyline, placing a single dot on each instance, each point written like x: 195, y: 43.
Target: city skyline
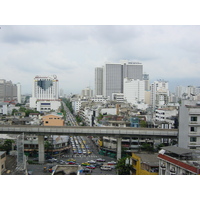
x: 73, y: 52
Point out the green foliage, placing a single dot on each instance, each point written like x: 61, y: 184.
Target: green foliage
x: 122, y: 167
x: 68, y: 104
x: 100, y: 117
x: 143, y: 123
x: 48, y: 145
x: 7, y: 145
x: 14, y: 111
x: 147, y: 147
x: 27, y: 111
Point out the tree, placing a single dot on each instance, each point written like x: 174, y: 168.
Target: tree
x: 7, y: 145
x: 122, y: 167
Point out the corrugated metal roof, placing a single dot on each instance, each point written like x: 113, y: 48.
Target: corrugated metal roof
x: 178, y: 150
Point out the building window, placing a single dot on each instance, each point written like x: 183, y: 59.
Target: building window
x: 46, y: 122
x: 193, y: 119
x: 2, y: 167
x: 193, y: 129
x: 193, y: 139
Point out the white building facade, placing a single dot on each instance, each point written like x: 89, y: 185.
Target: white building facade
x: 189, y: 125
x: 45, y: 93
x: 134, y: 91
x: 159, y: 93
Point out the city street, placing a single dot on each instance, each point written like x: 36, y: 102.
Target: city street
x: 80, y: 158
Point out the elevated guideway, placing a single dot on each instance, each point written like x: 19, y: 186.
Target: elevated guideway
x: 90, y: 131
x: 117, y: 132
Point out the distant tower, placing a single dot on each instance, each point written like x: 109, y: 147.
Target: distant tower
x: 98, y: 81
x: 19, y: 93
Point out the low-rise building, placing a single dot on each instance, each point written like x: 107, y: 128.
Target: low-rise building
x: 145, y: 164
x: 53, y: 120
x: 178, y: 161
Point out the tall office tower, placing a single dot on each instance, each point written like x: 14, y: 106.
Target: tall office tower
x: 45, y: 93
x: 19, y: 93
x: 159, y: 93
x: 114, y: 74
x: 98, y: 81
x: 146, y: 82
x: 87, y: 92
x: 8, y: 90
x: 134, y: 90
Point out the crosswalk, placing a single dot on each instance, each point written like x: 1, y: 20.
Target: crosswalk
x: 82, y: 156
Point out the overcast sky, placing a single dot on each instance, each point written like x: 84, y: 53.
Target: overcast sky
x: 72, y: 53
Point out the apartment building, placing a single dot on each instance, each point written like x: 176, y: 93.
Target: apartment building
x: 178, y: 161
x: 189, y: 124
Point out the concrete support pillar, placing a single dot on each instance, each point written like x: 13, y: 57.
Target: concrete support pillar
x: 119, y: 148
x: 41, y: 149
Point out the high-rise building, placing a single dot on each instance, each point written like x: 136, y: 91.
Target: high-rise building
x: 87, y: 92
x: 8, y: 90
x: 159, y: 93
x: 114, y: 74
x: 146, y: 82
x: 19, y: 93
x: 98, y: 81
x: 45, y: 93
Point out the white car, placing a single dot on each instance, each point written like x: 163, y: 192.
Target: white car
x: 107, y: 168
x: 91, y: 162
x: 100, y: 160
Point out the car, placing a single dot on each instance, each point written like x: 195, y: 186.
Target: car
x: 112, y: 163
x: 90, y: 167
x: 86, y: 170
x: 71, y: 159
x: 85, y: 164
x: 100, y: 160
x: 91, y: 161
x: 106, y: 168
x: 71, y: 163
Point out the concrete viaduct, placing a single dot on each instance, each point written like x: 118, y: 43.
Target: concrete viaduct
x: 117, y: 132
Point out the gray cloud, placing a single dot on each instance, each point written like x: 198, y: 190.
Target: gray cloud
x: 73, y: 52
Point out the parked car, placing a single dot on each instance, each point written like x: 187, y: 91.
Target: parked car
x: 100, y: 160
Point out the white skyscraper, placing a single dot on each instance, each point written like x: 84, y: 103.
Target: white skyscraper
x: 19, y: 93
x: 45, y: 93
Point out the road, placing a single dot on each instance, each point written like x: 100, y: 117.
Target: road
x: 83, y: 149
